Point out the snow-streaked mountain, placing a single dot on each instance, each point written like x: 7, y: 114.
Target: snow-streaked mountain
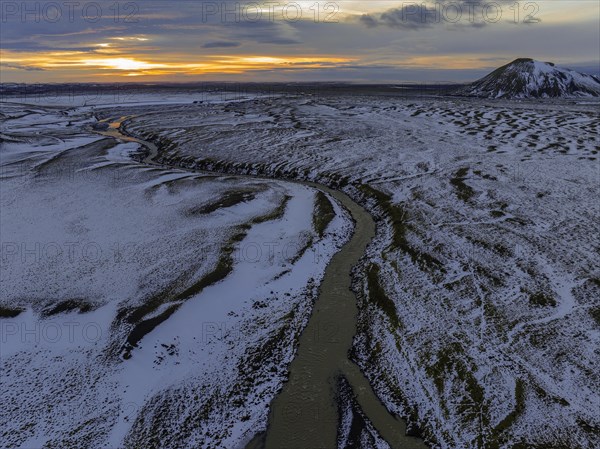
x: 527, y: 78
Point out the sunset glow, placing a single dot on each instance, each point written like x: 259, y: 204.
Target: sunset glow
x: 136, y: 67
x: 348, y: 40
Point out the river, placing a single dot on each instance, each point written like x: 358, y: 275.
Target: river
x: 305, y: 413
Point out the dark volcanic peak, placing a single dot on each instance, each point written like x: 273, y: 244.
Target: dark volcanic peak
x: 527, y: 78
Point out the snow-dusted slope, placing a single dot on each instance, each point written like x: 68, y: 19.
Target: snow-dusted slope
x: 526, y: 78
x: 479, y: 310
x: 142, y: 306
x: 479, y: 298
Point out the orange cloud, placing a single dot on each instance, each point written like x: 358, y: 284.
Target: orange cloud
x: 123, y: 65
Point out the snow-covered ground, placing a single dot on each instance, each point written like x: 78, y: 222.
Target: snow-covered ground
x: 479, y: 309
x: 480, y: 314
x: 144, y: 306
x: 526, y: 78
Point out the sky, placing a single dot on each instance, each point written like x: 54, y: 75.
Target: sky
x: 279, y: 41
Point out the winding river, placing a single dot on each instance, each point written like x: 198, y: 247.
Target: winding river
x: 305, y: 414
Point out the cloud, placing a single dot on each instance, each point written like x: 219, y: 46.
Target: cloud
x: 22, y: 67
x: 221, y: 44
x: 415, y: 16
x: 385, y: 39
x: 368, y: 20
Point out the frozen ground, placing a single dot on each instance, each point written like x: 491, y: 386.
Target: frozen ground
x: 480, y: 314
x: 479, y: 311
x: 143, y: 306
